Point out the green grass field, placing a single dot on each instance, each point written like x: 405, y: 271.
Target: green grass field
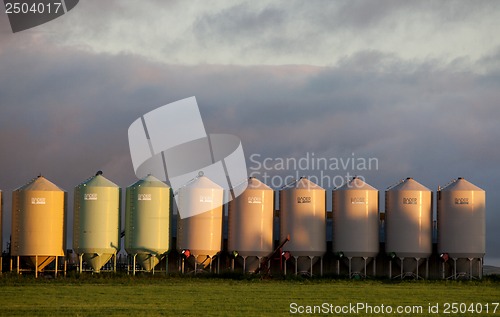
x: 109, y: 295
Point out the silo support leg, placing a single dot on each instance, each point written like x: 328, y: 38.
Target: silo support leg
x: 350, y: 266
x: 296, y: 264
x: 338, y: 267
x: 81, y: 263
x: 55, y: 273
x: 36, y: 266
x: 311, y: 258
x: 427, y: 268
x: 364, y: 258
x: 454, y: 268
x: 65, y: 267
x: 321, y: 266
x: 18, y: 265
x: 114, y: 263
x: 470, y: 268
x: 390, y: 269
x: 402, y: 264
x: 418, y: 260
x: 133, y: 264
x: 11, y: 264
x: 374, y: 267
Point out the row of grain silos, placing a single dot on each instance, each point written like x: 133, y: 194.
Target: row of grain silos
x: 38, y: 228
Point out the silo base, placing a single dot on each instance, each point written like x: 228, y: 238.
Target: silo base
x: 462, y: 268
x: 38, y: 264
x: 147, y: 262
x: 197, y: 264
x: 97, y: 262
x: 357, y: 267
x: 249, y: 264
x: 303, y: 265
x: 409, y: 268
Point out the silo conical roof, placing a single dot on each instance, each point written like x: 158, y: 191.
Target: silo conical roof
x: 356, y: 183
x: 203, y: 182
x: 254, y: 183
x: 461, y: 184
x: 408, y: 184
x: 149, y: 181
x: 304, y: 183
x: 40, y: 183
x: 98, y: 181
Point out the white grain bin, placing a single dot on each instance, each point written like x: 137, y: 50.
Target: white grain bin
x: 201, y: 234
x: 303, y: 218
x: 250, y: 222
x: 96, y: 222
x: 38, y: 223
x: 147, y: 221
x: 461, y: 211
x: 356, y: 223
x: 408, y: 221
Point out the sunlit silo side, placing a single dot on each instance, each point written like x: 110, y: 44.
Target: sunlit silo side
x: 96, y: 221
x: 408, y: 218
x: 250, y: 222
x: 303, y: 218
x: 147, y: 221
x: 461, y: 211
x: 200, y: 235
x: 38, y: 222
x: 356, y: 223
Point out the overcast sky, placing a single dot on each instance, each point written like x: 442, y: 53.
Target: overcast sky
x: 414, y: 84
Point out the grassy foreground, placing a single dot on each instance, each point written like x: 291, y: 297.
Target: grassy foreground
x: 188, y: 296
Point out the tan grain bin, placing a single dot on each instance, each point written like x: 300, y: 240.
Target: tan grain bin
x: 355, y: 219
x: 96, y: 221
x: 303, y: 218
x: 408, y: 220
x: 147, y: 221
x: 250, y: 219
x: 38, y: 222
x: 461, y: 211
x: 200, y: 234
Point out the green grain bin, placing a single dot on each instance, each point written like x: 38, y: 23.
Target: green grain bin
x: 147, y: 221
x: 96, y: 223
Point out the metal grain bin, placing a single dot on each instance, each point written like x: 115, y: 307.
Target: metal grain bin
x: 38, y: 222
x: 147, y: 221
x: 303, y: 218
x: 201, y: 234
x: 250, y: 222
x: 96, y: 222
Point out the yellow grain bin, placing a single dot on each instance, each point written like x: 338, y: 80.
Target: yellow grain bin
x: 38, y: 222
x: 96, y: 223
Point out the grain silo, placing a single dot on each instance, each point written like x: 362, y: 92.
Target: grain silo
x: 147, y: 222
x: 38, y: 224
x: 461, y: 219
x: 408, y: 221
x: 96, y: 222
x: 303, y: 218
x: 250, y: 224
x: 355, y: 225
x: 199, y: 237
